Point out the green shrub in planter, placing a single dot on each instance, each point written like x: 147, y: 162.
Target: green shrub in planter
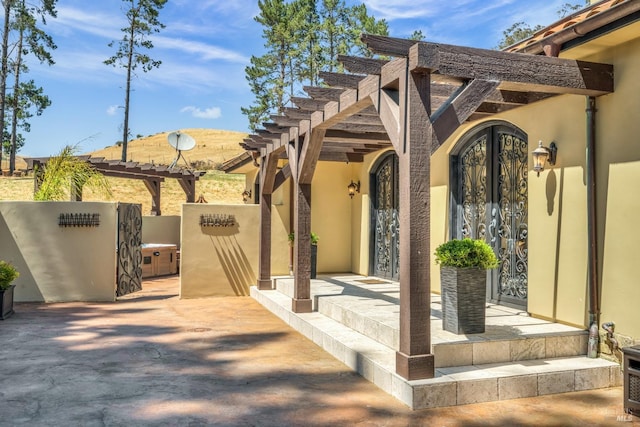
x: 314, y: 238
x: 466, y: 253
x: 8, y: 274
x: 463, y: 278
x: 314, y: 252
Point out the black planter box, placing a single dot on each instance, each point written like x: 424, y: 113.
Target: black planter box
x: 314, y: 260
x: 463, y: 299
x: 6, y: 302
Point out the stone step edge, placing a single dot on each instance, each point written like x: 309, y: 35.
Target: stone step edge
x: 376, y: 363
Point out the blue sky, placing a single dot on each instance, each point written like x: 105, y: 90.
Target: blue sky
x: 204, y: 50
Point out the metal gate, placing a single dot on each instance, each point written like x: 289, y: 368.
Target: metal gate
x: 490, y: 202
x: 129, y: 268
x: 385, y: 221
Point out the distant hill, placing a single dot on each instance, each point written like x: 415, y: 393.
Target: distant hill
x: 213, y: 147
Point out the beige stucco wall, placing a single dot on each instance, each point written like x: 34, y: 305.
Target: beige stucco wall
x: 331, y: 216
x: 558, y: 198
x: 161, y: 229
x: 618, y: 183
x: 331, y: 209
x: 59, y: 263
x: 557, y: 226
x: 218, y: 261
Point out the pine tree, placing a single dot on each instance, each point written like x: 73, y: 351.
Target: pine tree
x: 143, y: 20
x: 302, y: 39
x: 272, y: 74
x: 23, y: 18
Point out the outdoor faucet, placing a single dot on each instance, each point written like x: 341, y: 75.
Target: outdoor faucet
x: 613, y: 343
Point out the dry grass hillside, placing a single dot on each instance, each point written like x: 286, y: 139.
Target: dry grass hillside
x: 213, y: 147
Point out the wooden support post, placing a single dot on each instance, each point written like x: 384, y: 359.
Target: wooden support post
x: 153, y: 185
x: 414, y: 359
x: 267, y: 177
x: 264, y: 262
x: 188, y: 185
x: 302, y: 248
x: 301, y: 302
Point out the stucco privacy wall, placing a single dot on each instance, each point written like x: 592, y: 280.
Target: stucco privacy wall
x: 59, y: 263
x: 161, y: 229
x: 222, y: 261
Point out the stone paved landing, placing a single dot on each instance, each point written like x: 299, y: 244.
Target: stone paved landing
x: 517, y: 357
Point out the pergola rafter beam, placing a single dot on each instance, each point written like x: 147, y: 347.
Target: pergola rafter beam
x: 457, y: 110
x: 347, y: 81
x: 358, y: 65
x: 388, y: 46
x: 514, y: 70
x: 323, y: 93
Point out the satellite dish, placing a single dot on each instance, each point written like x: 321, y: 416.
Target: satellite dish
x: 181, y: 142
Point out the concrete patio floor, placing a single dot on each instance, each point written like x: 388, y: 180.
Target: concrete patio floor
x: 152, y: 359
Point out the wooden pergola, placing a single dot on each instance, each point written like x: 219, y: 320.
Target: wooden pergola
x: 412, y: 103
x: 152, y: 175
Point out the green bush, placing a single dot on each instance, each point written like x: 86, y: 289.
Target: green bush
x: 314, y: 238
x: 466, y: 253
x: 8, y: 274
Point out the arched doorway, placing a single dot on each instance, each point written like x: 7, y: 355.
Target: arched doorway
x: 490, y: 201
x: 385, y: 225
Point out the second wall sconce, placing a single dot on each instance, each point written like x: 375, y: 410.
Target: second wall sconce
x: 353, y: 188
x: 246, y: 195
x: 543, y: 154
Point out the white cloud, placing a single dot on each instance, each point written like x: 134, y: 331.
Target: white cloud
x: 206, y: 51
x: 94, y: 22
x: 207, y: 113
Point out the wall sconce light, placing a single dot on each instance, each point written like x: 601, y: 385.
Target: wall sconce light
x: 353, y: 188
x: 246, y: 195
x: 543, y: 154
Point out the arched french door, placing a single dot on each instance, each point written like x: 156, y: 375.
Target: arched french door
x: 385, y: 224
x: 490, y: 201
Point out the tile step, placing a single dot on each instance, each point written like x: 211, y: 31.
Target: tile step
x: 452, y: 385
x: 530, y: 339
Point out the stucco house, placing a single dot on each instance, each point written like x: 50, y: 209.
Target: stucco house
x: 398, y: 156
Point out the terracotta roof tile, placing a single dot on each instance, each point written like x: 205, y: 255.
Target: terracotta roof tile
x: 571, y: 22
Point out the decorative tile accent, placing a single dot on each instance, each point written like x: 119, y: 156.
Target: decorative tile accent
x: 491, y: 352
x: 453, y: 355
x: 555, y: 382
x: 528, y: 349
x: 476, y: 391
x: 517, y: 387
x: 588, y: 379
